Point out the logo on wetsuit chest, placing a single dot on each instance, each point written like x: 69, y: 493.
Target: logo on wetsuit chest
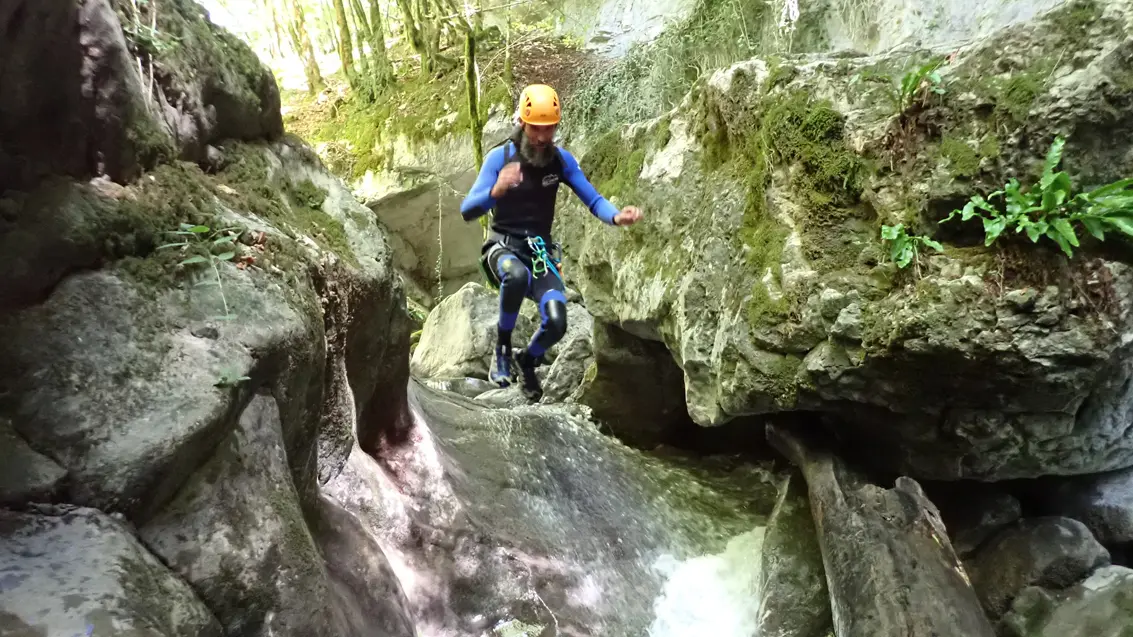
x: 550, y: 180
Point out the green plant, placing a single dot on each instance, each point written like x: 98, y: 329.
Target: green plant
x: 205, y: 240
x: 230, y: 378
x: 918, y: 84
x: 1049, y: 208
x: 905, y: 248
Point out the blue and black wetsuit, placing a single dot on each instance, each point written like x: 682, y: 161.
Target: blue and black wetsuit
x: 522, y: 225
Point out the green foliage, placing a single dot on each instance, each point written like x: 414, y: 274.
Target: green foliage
x: 230, y: 378
x: 915, y: 85
x: 614, y: 165
x: 1050, y: 208
x: 423, y: 109
x: 903, y: 247
x: 206, y: 246
x: 790, y: 130
x: 963, y: 160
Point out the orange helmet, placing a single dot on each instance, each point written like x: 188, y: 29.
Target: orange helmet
x: 539, y: 104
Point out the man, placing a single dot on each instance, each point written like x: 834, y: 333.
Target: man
x: 520, y: 180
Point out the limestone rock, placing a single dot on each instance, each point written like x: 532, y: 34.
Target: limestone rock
x: 972, y: 516
x: 107, y: 117
x: 77, y: 571
x: 25, y: 474
x: 126, y: 399
x: 793, y: 600
x: 369, y: 597
x: 239, y: 536
x: 1103, y: 502
x: 1099, y: 606
x: 1050, y: 552
x: 762, y: 271
x: 460, y: 335
x: 632, y: 387
x: 467, y: 387
x: 481, y: 509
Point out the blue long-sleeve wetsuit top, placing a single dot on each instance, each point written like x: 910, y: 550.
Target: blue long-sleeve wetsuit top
x: 528, y: 209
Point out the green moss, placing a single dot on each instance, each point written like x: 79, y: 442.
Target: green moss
x: 1016, y: 96
x: 663, y: 134
x: 614, y: 165
x: 306, y: 194
x: 963, y: 160
x: 786, y: 130
x: 180, y: 192
x: 780, y: 73
x: 655, y: 76
x: 423, y: 109
x: 1075, y: 20
x: 299, y: 210
x: 763, y: 310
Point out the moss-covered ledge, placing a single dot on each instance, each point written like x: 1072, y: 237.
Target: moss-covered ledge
x: 760, y: 263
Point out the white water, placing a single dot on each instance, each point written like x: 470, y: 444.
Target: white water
x: 715, y: 595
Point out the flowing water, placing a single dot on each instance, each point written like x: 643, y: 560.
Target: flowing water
x: 528, y: 521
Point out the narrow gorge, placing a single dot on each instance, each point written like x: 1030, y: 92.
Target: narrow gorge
x: 864, y: 369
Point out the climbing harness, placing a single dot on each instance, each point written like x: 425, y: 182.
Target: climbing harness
x: 542, y: 261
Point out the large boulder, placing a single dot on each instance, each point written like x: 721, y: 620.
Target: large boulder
x: 1103, y: 502
x: 240, y: 538
x: 26, y: 475
x: 760, y: 264
x: 208, y: 414
x: 1051, y: 552
x: 193, y: 351
x: 1099, y: 606
x: 459, y: 338
x: 125, y: 99
x: 76, y: 571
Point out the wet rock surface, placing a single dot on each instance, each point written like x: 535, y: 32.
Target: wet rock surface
x: 497, y: 515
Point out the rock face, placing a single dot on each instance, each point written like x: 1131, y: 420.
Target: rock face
x: 1100, y: 606
x: 633, y: 387
x: 111, y: 119
x: 1103, y: 502
x: 495, y: 518
x: 998, y: 362
x: 1051, y: 552
x: 76, y: 571
x: 193, y: 352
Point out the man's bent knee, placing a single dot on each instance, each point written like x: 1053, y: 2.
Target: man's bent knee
x: 554, y: 315
x: 513, y: 274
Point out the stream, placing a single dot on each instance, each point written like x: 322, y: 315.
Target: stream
x: 528, y: 521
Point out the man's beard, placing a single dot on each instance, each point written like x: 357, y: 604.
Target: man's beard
x: 535, y: 156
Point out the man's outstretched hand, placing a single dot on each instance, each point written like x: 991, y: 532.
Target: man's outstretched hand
x: 628, y: 216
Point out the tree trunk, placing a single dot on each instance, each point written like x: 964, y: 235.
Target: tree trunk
x: 383, y: 69
x: 301, y: 41
x: 345, y: 47
x: 430, y: 35
x: 409, y: 19
x: 381, y: 73
x: 365, y: 83
x: 472, y: 82
x: 275, y: 42
x: 890, y: 567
